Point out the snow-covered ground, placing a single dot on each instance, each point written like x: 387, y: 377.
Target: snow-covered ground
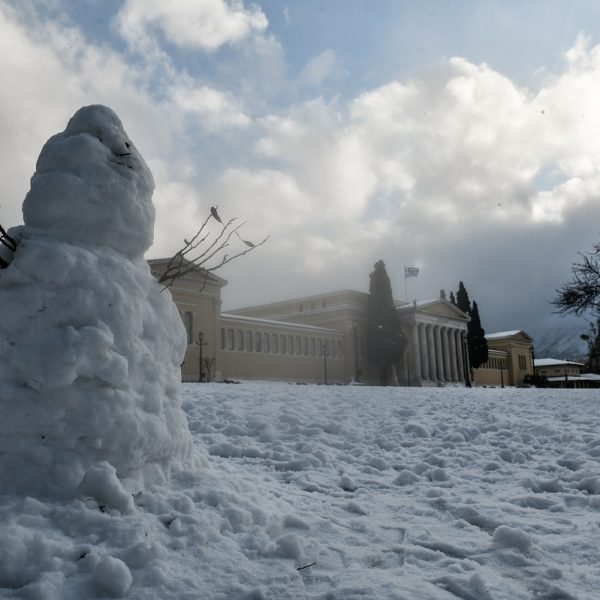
x: 387, y: 492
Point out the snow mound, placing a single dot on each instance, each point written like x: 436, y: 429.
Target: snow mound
x: 91, y: 186
x: 112, y: 576
x: 512, y: 537
x: 101, y: 483
x: 90, y: 348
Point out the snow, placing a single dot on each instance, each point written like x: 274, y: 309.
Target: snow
x: 392, y: 493
x: 90, y: 348
x: 549, y: 362
x: 503, y: 334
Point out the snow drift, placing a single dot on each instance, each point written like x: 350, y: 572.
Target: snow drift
x: 90, y: 348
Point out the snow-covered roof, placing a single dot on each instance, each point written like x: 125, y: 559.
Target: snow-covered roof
x: 502, y: 334
x: 550, y: 362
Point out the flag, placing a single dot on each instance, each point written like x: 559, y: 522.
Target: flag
x: 411, y: 272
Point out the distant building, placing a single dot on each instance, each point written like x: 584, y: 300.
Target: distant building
x: 435, y: 332
x: 510, y: 359
x: 565, y: 373
x: 322, y: 338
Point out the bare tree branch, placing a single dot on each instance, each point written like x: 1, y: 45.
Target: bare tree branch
x: 582, y: 293
x: 5, y: 239
x: 211, y: 246
x: 8, y: 242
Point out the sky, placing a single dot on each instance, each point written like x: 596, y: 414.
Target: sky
x: 459, y: 137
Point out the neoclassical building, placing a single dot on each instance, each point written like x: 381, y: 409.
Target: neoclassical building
x: 318, y: 338
x: 510, y: 359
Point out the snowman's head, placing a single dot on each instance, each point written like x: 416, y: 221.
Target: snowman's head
x: 92, y: 186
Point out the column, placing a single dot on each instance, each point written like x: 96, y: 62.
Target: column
x: 446, y: 350
x: 416, y: 353
x: 459, y: 355
x: 453, y: 357
x: 424, y: 355
x: 438, y: 353
x: 431, y: 353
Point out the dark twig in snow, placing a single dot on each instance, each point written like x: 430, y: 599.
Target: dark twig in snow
x: 306, y: 566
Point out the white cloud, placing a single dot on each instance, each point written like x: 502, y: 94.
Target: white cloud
x: 320, y: 68
x: 213, y: 108
x: 201, y: 25
x: 48, y: 72
x: 449, y: 166
x: 443, y: 167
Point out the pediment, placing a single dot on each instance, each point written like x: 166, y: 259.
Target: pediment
x: 513, y: 336
x: 442, y: 308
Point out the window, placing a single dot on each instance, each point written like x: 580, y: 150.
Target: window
x: 297, y: 349
x: 230, y: 339
x: 274, y: 343
x: 248, y: 341
x: 332, y: 348
x: 239, y: 339
x: 282, y: 343
x: 339, y: 349
x: 257, y: 342
x: 188, y: 321
x: 266, y: 339
x: 290, y: 344
x: 312, y: 346
x: 305, y: 346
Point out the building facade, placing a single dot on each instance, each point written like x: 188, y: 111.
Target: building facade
x: 320, y: 338
x: 435, y: 332
x: 510, y: 359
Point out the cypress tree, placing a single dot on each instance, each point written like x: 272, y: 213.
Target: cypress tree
x: 478, y: 348
x: 385, y: 342
x: 452, y: 298
x: 462, y: 299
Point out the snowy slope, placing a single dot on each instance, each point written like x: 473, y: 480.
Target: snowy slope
x: 563, y: 342
x: 483, y: 494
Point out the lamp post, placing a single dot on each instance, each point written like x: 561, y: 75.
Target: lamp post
x: 501, y: 373
x: 200, y: 343
x: 465, y: 354
x: 356, y: 371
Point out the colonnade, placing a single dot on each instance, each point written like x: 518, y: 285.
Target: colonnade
x: 438, y: 352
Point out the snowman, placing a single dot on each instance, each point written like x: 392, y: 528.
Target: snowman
x: 90, y: 346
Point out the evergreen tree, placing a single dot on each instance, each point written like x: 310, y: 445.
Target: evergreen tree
x: 476, y: 342
x: 478, y: 348
x: 385, y: 342
x: 592, y: 364
x: 462, y: 299
x: 452, y: 298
